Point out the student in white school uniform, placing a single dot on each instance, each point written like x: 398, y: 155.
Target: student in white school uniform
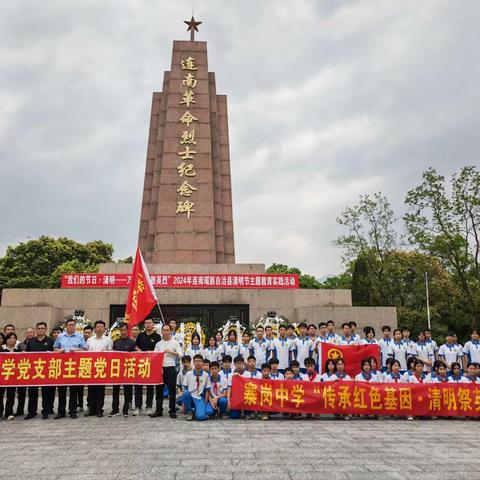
x: 328, y: 371
x: 230, y: 347
x: 456, y: 376
x: 366, y: 374
x: 369, y: 337
x: 471, y: 375
x: 217, y: 405
x: 297, y: 374
x: 347, y: 338
x: 425, y: 351
x: 226, y: 371
x: 259, y: 347
x: 430, y: 340
x: 212, y: 353
x: 374, y: 368
x: 186, y: 367
x: 269, y: 337
x: 439, y: 373
x: 471, y: 349
x: 411, y: 345
x: 275, y: 373
x: 302, y: 346
x: 282, y: 348
x: 196, y: 390
x: 195, y: 347
x: 311, y: 374
x: 251, y: 371
x: 385, y: 343
x: 312, y: 335
x: 239, y: 369
x: 395, y: 376
x: 398, y: 350
x: 244, y: 346
x: 450, y: 352
x: 331, y: 335
x: 353, y: 328
x: 419, y: 376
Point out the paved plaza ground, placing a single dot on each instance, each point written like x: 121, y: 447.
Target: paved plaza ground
x: 140, y: 448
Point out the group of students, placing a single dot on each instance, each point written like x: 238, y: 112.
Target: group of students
x: 198, y: 379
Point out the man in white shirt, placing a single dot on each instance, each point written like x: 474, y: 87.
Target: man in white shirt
x: 97, y: 343
x: 172, y: 352
x: 331, y: 335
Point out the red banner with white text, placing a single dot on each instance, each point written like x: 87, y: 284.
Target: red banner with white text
x: 80, y: 368
x: 358, y: 398
x: 352, y: 355
x: 182, y: 280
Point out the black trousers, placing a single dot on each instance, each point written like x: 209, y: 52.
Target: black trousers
x: 10, y: 400
x: 2, y: 396
x: 22, y: 395
x: 72, y: 400
x: 139, y: 396
x: 48, y: 397
x: 97, y: 398
x: 170, y: 380
x: 127, y: 398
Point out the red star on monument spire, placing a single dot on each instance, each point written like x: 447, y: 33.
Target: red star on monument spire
x: 192, y: 27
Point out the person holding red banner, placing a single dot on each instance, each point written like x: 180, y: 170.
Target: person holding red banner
x: 10, y: 346
x: 68, y: 341
x: 98, y: 342
x: 340, y: 373
x: 329, y: 370
x: 40, y: 343
x: 395, y: 376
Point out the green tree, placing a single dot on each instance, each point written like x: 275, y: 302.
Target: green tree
x: 39, y: 263
x: 444, y: 221
x: 305, y: 281
x: 342, y: 281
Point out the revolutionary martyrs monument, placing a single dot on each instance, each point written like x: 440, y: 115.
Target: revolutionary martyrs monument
x: 186, y: 229
x: 186, y: 212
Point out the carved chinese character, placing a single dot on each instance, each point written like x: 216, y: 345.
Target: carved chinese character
x: 185, y: 207
x: 187, y: 98
x: 185, y: 189
x: 187, y: 154
x: 187, y: 118
x: 188, y: 136
x: 189, y: 81
x: 186, y: 169
x: 189, y: 64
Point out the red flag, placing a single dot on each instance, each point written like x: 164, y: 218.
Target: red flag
x: 141, y: 294
x: 352, y: 355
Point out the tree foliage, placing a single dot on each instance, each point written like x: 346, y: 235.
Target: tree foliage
x: 305, y: 281
x: 39, y: 263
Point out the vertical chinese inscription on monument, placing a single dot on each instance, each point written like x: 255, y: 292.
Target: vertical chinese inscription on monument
x: 186, y: 167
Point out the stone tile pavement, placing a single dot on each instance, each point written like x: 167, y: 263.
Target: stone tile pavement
x: 140, y: 448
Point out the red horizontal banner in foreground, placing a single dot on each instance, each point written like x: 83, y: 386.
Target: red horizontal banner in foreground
x: 181, y: 280
x: 80, y: 368
x: 352, y: 355
x: 362, y: 398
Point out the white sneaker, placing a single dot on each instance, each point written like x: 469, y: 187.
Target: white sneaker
x: 10, y: 417
x: 136, y: 412
x: 190, y: 416
x: 409, y: 418
x: 148, y: 411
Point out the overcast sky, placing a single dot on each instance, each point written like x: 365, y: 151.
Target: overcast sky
x: 328, y: 99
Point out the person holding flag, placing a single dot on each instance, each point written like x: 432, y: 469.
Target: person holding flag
x: 141, y: 300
